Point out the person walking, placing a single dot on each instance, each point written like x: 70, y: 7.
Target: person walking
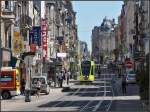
x: 60, y: 78
x: 38, y: 88
x: 124, y: 85
x: 68, y: 77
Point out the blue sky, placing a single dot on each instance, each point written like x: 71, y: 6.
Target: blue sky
x: 91, y: 13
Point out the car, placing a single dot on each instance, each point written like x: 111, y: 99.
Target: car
x: 130, y: 77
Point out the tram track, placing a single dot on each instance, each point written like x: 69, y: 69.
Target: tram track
x: 99, y: 105
x: 92, y: 105
x: 90, y: 102
x: 65, y: 96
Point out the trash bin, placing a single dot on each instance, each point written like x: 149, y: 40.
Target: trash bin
x: 27, y: 96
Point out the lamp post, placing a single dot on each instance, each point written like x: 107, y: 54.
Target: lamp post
x: 28, y: 61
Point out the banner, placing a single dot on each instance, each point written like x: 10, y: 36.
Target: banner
x: 17, y: 43
x: 44, y: 38
x: 36, y: 39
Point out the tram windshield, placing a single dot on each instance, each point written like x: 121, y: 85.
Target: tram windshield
x: 85, y: 67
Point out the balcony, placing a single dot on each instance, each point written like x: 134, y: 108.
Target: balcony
x: 7, y: 12
x: 51, y: 2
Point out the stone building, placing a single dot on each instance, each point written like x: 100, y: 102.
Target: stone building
x: 17, y: 20
x: 103, y: 40
x: 62, y: 32
x: 133, y: 24
x: 7, y: 18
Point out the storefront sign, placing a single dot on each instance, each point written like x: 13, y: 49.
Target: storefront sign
x: 62, y: 55
x: 44, y: 38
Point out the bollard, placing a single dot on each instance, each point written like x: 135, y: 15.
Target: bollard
x: 27, y: 96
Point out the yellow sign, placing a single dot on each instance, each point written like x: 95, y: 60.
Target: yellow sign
x: 17, y: 43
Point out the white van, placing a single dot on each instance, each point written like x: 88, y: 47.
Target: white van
x: 45, y: 88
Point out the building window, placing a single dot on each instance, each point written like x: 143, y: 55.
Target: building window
x: 6, y: 4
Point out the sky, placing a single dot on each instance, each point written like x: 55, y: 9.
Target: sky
x: 91, y: 13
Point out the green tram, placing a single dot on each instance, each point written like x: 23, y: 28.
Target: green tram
x: 87, y: 71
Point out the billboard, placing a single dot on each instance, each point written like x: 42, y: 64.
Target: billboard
x: 44, y: 34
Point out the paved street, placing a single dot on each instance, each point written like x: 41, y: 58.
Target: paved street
x: 98, y: 96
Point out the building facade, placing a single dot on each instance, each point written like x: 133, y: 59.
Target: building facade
x: 103, y: 40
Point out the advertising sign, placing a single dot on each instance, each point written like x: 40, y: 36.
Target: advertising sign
x: 44, y: 38
x: 36, y: 35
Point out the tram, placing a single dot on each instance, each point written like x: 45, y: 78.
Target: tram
x: 87, y: 71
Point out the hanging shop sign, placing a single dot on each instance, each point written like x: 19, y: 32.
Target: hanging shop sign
x: 44, y: 33
x: 17, y: 43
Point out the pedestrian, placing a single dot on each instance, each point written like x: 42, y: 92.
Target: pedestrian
x: 38, y: 86
x: 23, y: 83
x: 68, y: 77
x: 124, y: 85
x: 60, y: 79
x: 56, y: 81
